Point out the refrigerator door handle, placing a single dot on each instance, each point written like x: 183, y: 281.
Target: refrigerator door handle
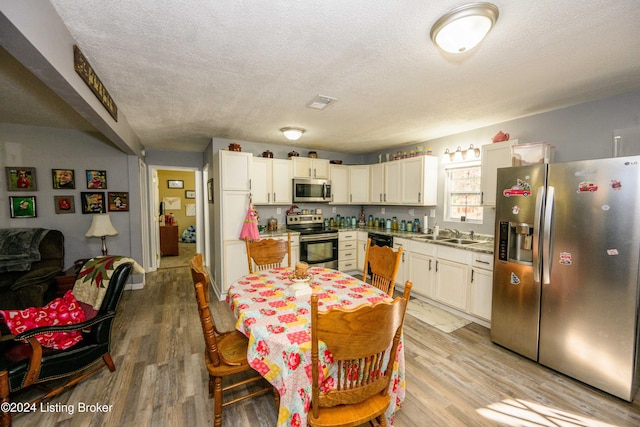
x: 537, y: 222
x: 546, y: 238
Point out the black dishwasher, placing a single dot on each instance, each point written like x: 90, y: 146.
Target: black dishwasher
x: 379, y: 240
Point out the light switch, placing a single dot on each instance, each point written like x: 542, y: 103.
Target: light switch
x: 278, y: 211
x: 382, y: 210
x: 432, y: 213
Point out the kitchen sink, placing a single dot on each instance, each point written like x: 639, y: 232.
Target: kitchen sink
x: 432, y: 237
x: 460, y: 241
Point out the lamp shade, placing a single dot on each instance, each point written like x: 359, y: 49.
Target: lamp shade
x: 101, y: 226
x: 292, y: 134
x: 462, y: 28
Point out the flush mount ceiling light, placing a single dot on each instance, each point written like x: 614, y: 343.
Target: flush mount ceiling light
x: 292, y: 134
x: 462, y: 28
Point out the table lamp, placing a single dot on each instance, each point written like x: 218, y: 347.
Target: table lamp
x: 101, y: 227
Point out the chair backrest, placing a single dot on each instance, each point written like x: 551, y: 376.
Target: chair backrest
x: 268, y: 253
x: 384, y: 263
x: 364, y: 343
x: 200, y: 281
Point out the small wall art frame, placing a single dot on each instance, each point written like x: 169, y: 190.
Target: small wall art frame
x: 93, y: 202
x: 23, y: 206
x: 189, y: 194
x: 64, y: 204
x: 63, y: 179
x: 210, y: 190
x: 96, y: 179
x: 175, y: 183
x: 118, y: 202
x: 21, y: 178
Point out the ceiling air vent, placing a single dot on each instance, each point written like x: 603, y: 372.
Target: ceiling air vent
x: 321, y: 102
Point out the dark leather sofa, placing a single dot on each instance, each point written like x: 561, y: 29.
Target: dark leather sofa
x: 35, y: 286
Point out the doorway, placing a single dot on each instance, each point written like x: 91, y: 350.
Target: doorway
x: 176, y: 211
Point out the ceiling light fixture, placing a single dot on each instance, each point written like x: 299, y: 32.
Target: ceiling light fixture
x: 292, y: 134
x: 462, y: 28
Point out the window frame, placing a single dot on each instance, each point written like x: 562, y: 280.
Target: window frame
x: 448, y: 193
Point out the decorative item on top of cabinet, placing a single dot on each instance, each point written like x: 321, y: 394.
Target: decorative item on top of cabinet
x: 500, y: 137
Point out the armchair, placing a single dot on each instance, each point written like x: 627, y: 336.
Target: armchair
x: 30, y: 286
x: 23, y: 364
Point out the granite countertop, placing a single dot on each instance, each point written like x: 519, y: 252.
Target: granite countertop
x: 482, y: 242
x: 278, y: 233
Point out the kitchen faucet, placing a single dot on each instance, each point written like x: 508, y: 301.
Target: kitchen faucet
x: 471, y: 234
x: 454, y: 231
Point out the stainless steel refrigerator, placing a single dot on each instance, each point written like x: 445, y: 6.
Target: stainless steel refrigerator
x: 566, y: 282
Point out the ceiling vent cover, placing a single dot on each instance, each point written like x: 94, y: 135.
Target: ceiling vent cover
x: 321, y: 102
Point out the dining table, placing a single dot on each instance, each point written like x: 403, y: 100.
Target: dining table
x: 276, y: 318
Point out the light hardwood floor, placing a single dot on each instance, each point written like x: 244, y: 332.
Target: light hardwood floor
x: 456, y: 379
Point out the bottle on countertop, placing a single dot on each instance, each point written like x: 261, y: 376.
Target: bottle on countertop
x: 436, y: 230
x: 416, y: 225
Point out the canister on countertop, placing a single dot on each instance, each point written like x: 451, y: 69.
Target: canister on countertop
x: 272, y: 224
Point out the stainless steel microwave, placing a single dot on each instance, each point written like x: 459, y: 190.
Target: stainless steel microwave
x: 311, y: 190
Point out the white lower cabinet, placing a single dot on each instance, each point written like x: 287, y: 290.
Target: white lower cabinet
x: 451, y: 283
x: 401, y: 277
x: 452, y: 277
x: 422, y: 268
x: 347, y: 250
x: 235, y: 263
x: 362, y: 239
x: 481, y: 285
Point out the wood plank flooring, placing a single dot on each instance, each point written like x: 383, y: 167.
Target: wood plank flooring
x: 456, y: 379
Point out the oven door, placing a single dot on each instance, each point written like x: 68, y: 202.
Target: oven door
x: 319, y: 250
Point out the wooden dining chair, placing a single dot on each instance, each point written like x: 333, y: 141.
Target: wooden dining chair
x: 266, y: 254
x: 384, y: 263
x: 364, y: 355
x: 198, y: 268
x: 225, y: 355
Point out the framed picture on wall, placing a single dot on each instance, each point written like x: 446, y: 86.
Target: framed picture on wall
x: 63, y: 178
x: 118, y: 202
x: 210, y: 190
x: 23, y: 207
x: 93, y: 202
x: 175, y: 183
x: 21, y: 178
x: 64, y: 204
x: 96, y: 179
x: 189, y: 194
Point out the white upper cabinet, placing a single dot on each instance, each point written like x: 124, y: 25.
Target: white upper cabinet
x: 419, y: 181
x: 359, y: 184
x: 392, y: 182
x: 339, y: 184
x: 376, y: 183
x: 307, y: 167
x: 271, y: 183
x: 235, y: 170
x: 494, y: 156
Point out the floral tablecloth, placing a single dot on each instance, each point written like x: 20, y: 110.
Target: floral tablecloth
x: 278, y: 325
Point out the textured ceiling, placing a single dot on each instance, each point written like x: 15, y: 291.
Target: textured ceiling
x: 185, y: 71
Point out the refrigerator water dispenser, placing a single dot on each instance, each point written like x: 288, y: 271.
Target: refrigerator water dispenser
x: 516, y: 242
